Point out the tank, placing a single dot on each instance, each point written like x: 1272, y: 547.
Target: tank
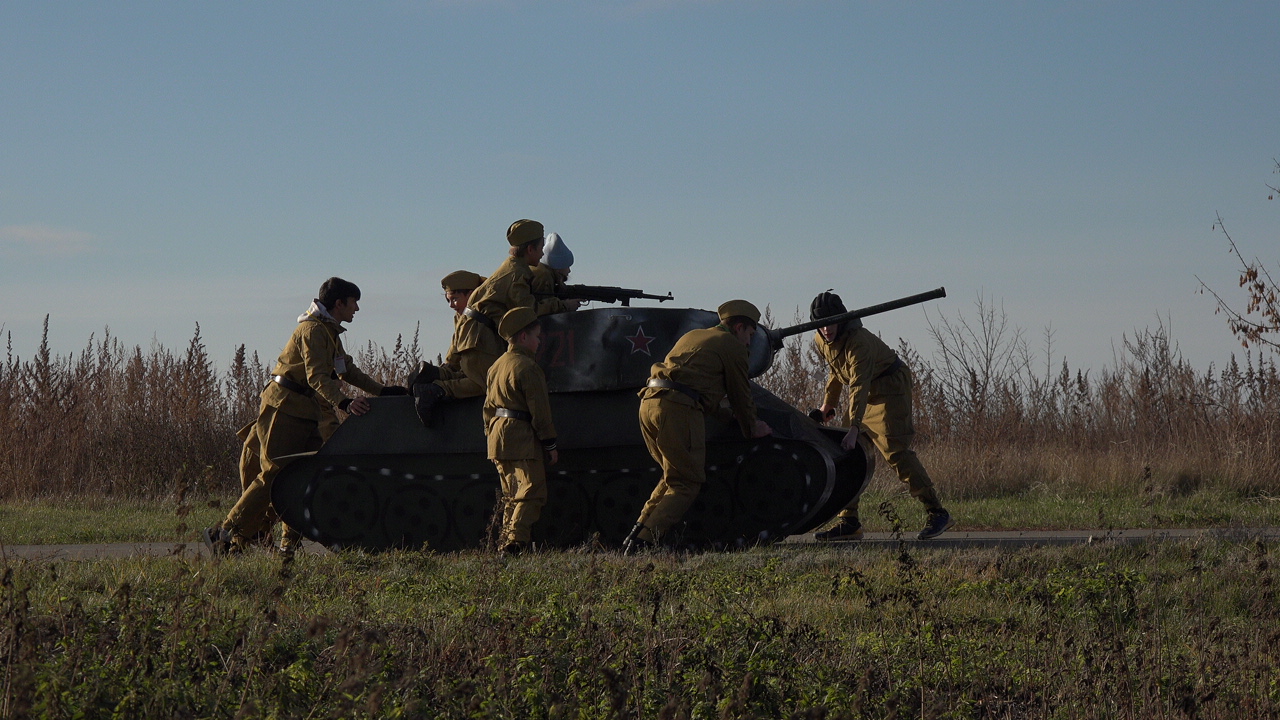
x: 384, y: 481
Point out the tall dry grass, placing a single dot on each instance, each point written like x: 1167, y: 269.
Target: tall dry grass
x: 993, y: 416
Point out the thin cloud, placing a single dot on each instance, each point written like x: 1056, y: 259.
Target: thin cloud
x: 46, y: 240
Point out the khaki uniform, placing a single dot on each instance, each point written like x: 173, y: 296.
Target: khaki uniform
x: 455, y: 382
x: 289, y: 422
x: 516, y: 446
x: 477, y: 345
x: 713, y: 364
x: 544, y: 284
x: 879, y: 402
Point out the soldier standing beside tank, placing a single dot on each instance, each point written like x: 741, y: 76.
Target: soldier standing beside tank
x: 703, y: 368
x: 517, y: 422
x: 297, y: 411
x: 879, y: 404
x: 476, y: 340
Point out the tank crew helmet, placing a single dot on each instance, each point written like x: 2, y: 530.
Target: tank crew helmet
x: 524, y: 231
x: 738, y: 309
x: 557, y: 255
x: 515, y: 320
x: 461, y: 281
x: 828, y: 304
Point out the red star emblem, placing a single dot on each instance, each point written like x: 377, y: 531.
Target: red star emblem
x: 640, y: 342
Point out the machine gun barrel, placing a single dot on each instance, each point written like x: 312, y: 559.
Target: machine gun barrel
x: 777, y: 336
x: 605, y: 293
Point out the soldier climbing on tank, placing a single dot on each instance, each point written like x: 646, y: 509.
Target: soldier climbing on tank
x: 458, y: 286
x: 703, y: 368
x: 517, y: 423
x: 879, y: 405
x: 297, y: 411
x: 476, y: 339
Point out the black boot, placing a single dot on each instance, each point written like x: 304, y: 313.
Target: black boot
x: 425, y: 397
x: 424, y: 373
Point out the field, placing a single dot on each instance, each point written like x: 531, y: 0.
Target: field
x: 117, y: 444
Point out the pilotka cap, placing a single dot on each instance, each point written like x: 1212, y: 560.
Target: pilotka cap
x: 461, y: 281
x: 524, y: 231
x: 734, y: 308
x: 516, y: 320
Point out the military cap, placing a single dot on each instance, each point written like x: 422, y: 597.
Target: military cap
x: 461, y: 281
x: 825, y: 305
x: 524, y: 231
x: 557, y: 255
x: 516, y: 320
x: 734, y: 308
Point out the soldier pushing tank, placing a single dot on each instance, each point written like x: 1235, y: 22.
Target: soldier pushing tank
x: 879, y: 404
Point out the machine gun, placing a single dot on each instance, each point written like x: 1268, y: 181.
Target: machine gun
x: 603, y: 293
x: 776, y: 337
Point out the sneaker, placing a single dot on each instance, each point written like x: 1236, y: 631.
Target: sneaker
x: 843, y: 530
x: 939, y: 522
x: 219, y: 541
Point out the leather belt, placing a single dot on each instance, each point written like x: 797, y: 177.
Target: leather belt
x: 287, y: 384
x: 481, y: 318
x: 897, y: 363
x: 513, y: 414
x: 678, y: 387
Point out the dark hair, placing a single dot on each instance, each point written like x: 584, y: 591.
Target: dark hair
x: 528, y: 328
x: 335, y: 289
x: 736, y: 319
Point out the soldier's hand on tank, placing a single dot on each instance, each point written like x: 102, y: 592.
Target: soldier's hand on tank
x: 828, y: 412
x: 393, y: 390
x: 761, y: 429
x: 850, y: 439
x: 572, y: 304
x: 358, y: 406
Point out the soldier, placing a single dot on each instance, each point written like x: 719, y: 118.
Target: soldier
x: 879, y: 404
x: 476, y: 339
x: 702, y: 368
x: 550, y: 275
x: 517, y: 421
x: 458, y: 287
x: 297, y: 411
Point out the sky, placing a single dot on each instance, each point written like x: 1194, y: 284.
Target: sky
x: 168, y: 164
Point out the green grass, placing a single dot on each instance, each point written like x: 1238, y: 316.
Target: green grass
x: 104, y: 520
x: 1159, y: 630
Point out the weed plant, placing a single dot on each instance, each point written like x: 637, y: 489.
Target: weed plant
x: 1167, y: 630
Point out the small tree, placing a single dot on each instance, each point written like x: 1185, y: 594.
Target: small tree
x: 1259, y: 324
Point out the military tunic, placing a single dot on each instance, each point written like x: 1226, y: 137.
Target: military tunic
x: 291, y: 422
x: 455, y: 382
x: 544, y: 286
x: 879, y: 402
x: 516, y: 445
x: 477, y: 344
x: 712, y: 363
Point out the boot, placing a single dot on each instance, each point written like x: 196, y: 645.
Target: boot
x: 425, y: 397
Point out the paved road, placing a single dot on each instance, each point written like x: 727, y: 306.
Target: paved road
x: 952, y: 540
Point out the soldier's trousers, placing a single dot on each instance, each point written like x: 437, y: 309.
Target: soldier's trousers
x: 470, y: 382
x: 676, y: 435
x: 524, y: 493
x: 276, y: 434
x: 887, y: 421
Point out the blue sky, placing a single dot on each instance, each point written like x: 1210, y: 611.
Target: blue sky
x: 163, y: 164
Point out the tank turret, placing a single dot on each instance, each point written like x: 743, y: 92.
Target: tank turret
x: 383, y: 480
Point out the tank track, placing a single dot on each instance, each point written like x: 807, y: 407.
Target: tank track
x: 756, y: 491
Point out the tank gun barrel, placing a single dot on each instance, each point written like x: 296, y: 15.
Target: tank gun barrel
x: 777, y: 336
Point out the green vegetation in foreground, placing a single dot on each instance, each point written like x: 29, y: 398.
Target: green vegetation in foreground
x: 105, y: 520
x: 1158, y: 630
